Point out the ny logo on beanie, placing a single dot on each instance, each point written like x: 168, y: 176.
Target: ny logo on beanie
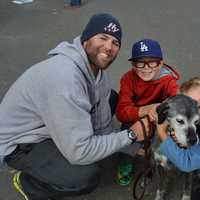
x: 111, y: 28
x: 143, y: 47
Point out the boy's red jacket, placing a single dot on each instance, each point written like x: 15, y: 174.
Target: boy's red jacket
x: 134, y: 92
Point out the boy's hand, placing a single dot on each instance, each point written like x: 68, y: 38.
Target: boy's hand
x: 137, y: 129
x: 173, y: 135
x: 149, y: 110
x: 162, y: 131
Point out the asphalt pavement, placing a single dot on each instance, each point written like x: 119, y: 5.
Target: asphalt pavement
x: 29, y: 31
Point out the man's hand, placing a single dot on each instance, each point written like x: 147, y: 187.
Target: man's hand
x: 137, y: 129
x: 149, y: 110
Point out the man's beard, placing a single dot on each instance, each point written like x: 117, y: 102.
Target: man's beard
x: 93, y: 59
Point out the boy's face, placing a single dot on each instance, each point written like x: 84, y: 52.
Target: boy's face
x: 147, y: 68
x: 194, y: 93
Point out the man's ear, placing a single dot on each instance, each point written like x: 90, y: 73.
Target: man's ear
x: 84, y: 44
x: 162, y: 111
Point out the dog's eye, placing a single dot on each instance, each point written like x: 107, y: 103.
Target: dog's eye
x: 180, y: 121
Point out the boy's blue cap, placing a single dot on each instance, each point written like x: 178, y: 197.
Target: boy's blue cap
x: 146, y: 48
x: 102, y: 23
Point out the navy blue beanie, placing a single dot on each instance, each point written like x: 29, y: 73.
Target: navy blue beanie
x: 102, y: 23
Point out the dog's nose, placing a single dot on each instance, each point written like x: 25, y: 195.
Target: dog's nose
x: 192, y: 136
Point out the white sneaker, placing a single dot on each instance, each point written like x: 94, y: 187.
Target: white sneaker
x: 22, y: 1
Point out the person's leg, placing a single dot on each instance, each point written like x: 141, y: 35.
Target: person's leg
x: 72, y: 4
x: 47, y: 174
x: 75, y: 3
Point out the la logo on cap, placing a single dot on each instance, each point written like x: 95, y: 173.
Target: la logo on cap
x: 143, y: 47
x: 111, y: 28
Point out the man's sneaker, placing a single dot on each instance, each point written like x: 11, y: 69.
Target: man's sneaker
x: 124, y: 174
x: 18, y: 186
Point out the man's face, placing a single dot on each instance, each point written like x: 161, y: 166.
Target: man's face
x: 101, y: 50
x: 147, y: 68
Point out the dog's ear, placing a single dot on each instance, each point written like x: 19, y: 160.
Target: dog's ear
x: 162, y: 111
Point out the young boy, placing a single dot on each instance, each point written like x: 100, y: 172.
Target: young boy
x: 142, y: 89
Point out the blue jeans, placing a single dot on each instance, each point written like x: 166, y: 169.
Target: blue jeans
x: 75, y: 2
x: 47, y: 174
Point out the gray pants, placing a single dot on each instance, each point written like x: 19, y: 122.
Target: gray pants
x: 47, y: 174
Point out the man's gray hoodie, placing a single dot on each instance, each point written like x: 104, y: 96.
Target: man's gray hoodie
x: 59, y: 98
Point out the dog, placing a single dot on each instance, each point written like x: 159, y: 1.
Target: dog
x: 181, y: 113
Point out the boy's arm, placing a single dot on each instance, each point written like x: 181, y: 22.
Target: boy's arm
x: 149, y: 110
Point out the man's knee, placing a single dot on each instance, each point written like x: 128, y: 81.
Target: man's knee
x: 88, y: 179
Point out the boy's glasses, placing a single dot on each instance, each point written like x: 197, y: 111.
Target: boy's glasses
x: 151, y: 64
